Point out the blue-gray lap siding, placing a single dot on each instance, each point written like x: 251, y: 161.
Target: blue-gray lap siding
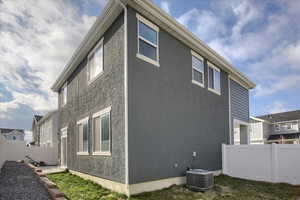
x: 239, y: 101
x: 169, y: 116
x: 84, y: 100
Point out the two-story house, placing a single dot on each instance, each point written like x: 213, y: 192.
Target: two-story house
x: 142, y: 99
x: 282, y: 128
x: 45, y: 129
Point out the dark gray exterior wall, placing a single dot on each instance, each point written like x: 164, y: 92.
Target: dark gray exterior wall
x: 169, y: 117
x: 239, y: 105
x: 84, y: 100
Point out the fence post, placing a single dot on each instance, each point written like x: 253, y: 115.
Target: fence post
x: 224, y: 164
x: 274, y: 162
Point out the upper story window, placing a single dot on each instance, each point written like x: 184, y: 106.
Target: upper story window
x: 64, y: 93
x: 95, y: 62
x: 214, y: 79
x: 198, y: 69
x: 83, y: 142
x: 102, y: 132
x: 147, y: 41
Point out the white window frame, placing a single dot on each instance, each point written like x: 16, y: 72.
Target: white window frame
x: 82, y: 153
x: 99, y: 45
x: 64, y: 95
x: 155, y: 28
x: 210, y: 65
x: 194, y: 54
x: 99, y: 114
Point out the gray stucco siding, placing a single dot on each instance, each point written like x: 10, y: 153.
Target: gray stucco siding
x: 85, y: 100
x: 169, y: 116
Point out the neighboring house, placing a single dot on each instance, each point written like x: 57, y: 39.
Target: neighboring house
x: 36, y: 130
x: 13, y: 134
x: 142, y: 99
x: 280, y: 128
x: 259, y: 130
x: 46, y: 130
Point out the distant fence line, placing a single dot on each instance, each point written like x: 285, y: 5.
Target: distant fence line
x: 11, y: 150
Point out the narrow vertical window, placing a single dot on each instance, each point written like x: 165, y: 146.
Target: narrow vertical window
x: 214, y: 79
x: 197, y: 69
x: 147, y: 41
x: 64, y: 93
x: 83, y: 136
x: 95, y: 62
x: 102, y: 132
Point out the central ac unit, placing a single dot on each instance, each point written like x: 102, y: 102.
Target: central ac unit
x: 200, y: 179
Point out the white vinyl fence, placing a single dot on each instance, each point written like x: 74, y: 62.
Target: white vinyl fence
x: 11, y: 150
x: 276, y: 163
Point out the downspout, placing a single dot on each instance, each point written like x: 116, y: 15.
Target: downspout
x: 126, y: 91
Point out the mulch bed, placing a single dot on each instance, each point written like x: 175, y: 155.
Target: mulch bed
x: 19, y: 182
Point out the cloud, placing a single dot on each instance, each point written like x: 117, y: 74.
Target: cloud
x: 165, y: 5
x: 278, y: 85
x: 37, y: 39
x: 276, y: 107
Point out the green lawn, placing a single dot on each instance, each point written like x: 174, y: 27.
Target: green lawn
x: 226, y: 188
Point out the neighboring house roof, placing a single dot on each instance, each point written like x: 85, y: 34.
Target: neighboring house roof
x: 47, y: 116
x: 38, y: 117
x: 281, y: 117
x: 9, y: 130
x: 157, y: 15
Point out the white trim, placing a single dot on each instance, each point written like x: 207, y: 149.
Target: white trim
x: 257, y: 119
x: 65, y: 129
x: 96, y: 115
x: 97, y: 47
x: 125, y: 90
x: 197, y: 56
x: 83, y: 120
x: 155, y: 28
x: 147, y: 22
x: 149, y: 60
x: 64, y: 87
x: 210, y: 65
x: 101, y: 112
x: 198, y: 83
x: 97, y: 153
x: 81, y: 153
x: 230, y: 116
x: 80, y: 122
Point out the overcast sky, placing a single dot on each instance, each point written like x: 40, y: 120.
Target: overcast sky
x: 38, y: 37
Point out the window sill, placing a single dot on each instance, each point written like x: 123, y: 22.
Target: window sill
x: 101, y: 153
x: 82, y: 153
x: 95, y: 78
x: 197, y: 83
x: 214, y: 91
x: 148, y: 60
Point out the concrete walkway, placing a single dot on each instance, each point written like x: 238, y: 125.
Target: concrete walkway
x: 19, y: 182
